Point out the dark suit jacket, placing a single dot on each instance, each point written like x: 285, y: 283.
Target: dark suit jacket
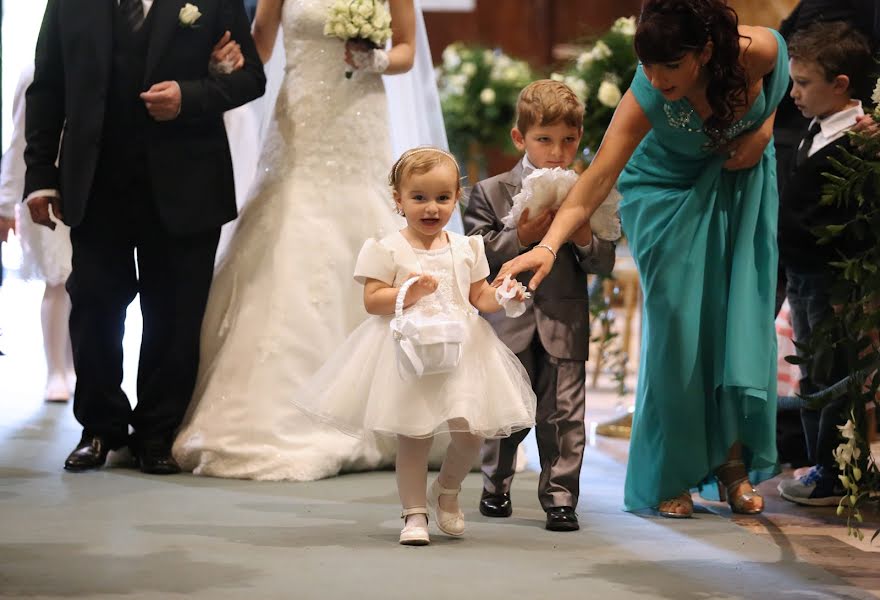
x: 188, y: 158
x: 560, y: 308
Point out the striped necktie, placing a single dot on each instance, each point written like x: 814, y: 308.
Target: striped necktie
x: 133, y: 13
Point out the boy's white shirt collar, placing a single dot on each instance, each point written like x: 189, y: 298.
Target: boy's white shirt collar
x: 528, y: 167
x: 833, y: 127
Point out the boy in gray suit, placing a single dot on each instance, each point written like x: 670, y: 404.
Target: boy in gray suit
x: 552, y: 337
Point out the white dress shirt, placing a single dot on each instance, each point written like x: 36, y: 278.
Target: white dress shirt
x: 834, y: 127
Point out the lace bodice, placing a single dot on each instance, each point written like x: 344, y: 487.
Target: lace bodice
x: 446, y: 299
x: 323, y: 121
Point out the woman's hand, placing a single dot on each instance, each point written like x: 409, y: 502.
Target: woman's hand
x: 226, y: 56
x: 539, y: 260
x: 746, y: 151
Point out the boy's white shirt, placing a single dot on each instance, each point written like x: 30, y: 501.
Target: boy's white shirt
x: 833, y: 127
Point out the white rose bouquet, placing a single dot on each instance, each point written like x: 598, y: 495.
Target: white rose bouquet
x: 365, y: 21
x: 547, y: 188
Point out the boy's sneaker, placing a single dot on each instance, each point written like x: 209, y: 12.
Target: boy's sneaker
x: 815, y: 488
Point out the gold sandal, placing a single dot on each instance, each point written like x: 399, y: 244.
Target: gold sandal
x: 743, y: 500
x: 667, y: 508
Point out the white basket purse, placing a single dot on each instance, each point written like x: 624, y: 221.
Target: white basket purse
x: 424, y: 345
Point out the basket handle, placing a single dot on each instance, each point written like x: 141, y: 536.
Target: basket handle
x: 401, y: 295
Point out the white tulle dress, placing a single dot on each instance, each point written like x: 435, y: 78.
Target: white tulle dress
x: 358, y: 390
x: 45, y: 253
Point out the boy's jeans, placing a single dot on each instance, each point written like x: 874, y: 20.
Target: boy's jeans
x: 810, y: 300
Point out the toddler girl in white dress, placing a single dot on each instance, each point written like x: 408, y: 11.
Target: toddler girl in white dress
x: 486, y: 395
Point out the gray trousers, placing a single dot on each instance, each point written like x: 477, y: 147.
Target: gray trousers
x: 560, y: 386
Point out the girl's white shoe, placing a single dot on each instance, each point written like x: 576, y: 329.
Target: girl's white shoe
x: 414, y: 535
x: 449, y: 523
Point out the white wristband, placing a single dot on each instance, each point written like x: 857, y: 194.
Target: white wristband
x: 372, y: 61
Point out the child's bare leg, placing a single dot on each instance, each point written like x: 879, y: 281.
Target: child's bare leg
x: 460, y: 458
x: 412, y: 475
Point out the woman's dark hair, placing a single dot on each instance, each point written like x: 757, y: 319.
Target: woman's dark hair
x: 668, y: 29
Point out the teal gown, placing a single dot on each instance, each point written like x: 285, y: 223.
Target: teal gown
x: 704, y: 242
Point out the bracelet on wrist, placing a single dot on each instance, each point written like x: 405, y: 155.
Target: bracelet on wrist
x: 548, y: 248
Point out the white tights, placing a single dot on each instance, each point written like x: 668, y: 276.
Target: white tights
x: 412, y: 470
x: 55, y: 317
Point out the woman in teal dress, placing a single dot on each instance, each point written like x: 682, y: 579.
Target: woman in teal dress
x: 690, y: 145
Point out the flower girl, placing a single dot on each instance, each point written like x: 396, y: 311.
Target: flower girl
x: 426, y: 362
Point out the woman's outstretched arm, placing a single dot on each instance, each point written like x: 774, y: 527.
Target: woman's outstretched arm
x: 625, y: 132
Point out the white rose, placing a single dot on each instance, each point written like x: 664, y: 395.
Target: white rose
x: 601, y: 50
x: 367, y: 30
x: 189, y: 14
x: 358, y: 20
x: 487, y: 96
x: 585, y: 59
x: 351, y: 31
x: 366, y: 9
x: 451, y: 59
x: 625, y: 26
x: 557, y: 76
x: 609, y: 94
x: 875, y: 97
x: 339, y: 30
x: 469, y: 69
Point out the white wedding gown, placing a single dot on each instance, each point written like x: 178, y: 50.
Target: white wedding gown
x: 284, y: 298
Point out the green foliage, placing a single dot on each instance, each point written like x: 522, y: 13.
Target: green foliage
x: 478, y: 91
x: 600, y: 76
x: 852, y: 329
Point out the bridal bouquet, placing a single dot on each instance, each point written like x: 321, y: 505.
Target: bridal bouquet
x: 366, y: 20
x: 547, y: 188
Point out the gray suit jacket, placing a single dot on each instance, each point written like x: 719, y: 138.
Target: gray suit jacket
x: 559, y: 310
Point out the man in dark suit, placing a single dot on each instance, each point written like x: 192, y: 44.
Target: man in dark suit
x: 144, y: 166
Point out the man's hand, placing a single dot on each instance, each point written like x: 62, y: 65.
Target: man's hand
x: 532, y: 232
x: 6, y: 225
x: 40, y: 207
x: 226, y: 56
x: 163, y: 100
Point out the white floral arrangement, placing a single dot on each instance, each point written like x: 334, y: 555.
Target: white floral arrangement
x: 188, y: 15
x: 367, y: 20
x: 546, y: 189
x: 599, y: 76
x: 478, y: 90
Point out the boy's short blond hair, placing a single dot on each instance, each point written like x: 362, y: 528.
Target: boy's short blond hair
x: 547, y: 102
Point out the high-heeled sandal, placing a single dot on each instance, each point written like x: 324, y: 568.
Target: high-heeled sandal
x: 414, y: 535
x: 449, y: 523
x: 666, y: 508
x: 730, y: 489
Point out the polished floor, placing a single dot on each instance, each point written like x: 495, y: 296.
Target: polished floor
x: 117, y: 533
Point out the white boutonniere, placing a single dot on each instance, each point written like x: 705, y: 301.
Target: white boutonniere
x: 189, y: 14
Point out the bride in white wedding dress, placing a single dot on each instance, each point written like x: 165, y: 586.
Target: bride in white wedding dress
x: 283, y: 297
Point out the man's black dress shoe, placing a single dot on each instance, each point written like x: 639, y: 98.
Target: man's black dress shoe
x: 562, y: 518
x: 90, y: 453
x: 495, y: 505
x: 154, y: 457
